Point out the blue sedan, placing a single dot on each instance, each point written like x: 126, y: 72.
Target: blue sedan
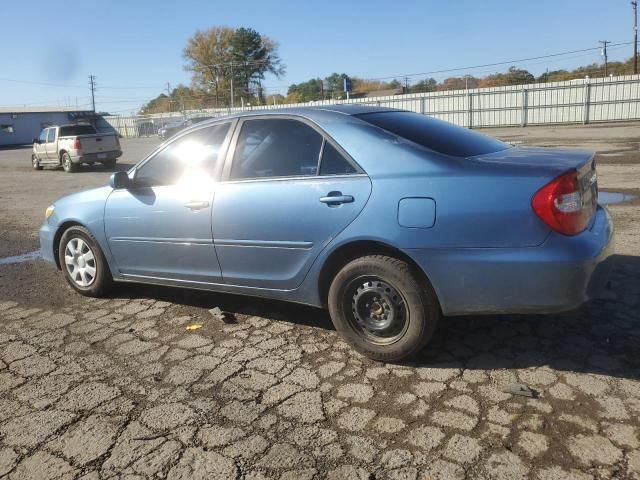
x: 390, y: 219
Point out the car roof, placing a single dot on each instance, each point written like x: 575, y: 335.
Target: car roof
x: 315, y: 113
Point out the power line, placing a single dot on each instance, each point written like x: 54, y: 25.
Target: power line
x: 507, y: 62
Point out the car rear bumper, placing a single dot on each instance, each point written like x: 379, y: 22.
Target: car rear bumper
x: 561, y: 274
x: 97, y: 157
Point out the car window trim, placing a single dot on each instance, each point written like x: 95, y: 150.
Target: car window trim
x: 226, y: 173
x: 163, y: 146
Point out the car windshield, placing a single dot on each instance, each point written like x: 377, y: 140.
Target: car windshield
x: 77, y: 130
x: 437, y: 135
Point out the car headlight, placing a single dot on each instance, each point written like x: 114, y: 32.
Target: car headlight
x: 49, y: 211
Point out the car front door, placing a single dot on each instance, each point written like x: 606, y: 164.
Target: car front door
x: 280, y: 205
x: 160, y: 227
x: 41, y: 146
x: 51, y: 150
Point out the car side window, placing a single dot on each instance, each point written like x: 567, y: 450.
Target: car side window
x: 43, y: 135
x: 193, y: 156
x: 276, y: 148
x: 333, y: 163
x: 52, y: 135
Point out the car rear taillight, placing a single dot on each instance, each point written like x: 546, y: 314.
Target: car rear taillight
x: 560, y: 205
x: 76, y: 144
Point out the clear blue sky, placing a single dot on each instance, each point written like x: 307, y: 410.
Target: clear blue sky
x: 135, y: 47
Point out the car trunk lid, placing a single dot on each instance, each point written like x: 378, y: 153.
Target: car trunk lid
x: 552, y: 163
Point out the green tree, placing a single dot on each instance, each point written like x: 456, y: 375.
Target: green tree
x: 219, y: 55
x: 426, y: 85
x: 514, y: 76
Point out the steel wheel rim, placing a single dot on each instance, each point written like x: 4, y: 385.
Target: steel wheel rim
x: 34, y: 161
x: 66, y: 161
x: 378, y: 311
x: 80, y: 262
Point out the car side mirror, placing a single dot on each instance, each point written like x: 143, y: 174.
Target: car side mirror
x: 120, y: 180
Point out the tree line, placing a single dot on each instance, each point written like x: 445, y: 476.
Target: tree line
x: 228, y: 66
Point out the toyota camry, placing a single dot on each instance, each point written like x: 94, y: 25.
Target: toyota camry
x: 390, y: 219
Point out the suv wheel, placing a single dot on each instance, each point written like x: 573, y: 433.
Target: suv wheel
x: 380, y: 306
x: 83, y: 263
x: 67, y: 164
x: 35, y: 162
x: 109, y: 163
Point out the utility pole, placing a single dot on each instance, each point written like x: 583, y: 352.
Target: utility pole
x: 634, y: 4
x: 604, y: 54
x: 169, y: 94
x: 406, y: 84
x: 231, y: 64
x: 92, y: 85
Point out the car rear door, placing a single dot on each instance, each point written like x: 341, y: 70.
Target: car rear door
x: 160, y: 227
x: 279, y: 206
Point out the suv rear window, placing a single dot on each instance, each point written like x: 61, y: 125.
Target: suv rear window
x: 437, y: 135
x: 77, y: 130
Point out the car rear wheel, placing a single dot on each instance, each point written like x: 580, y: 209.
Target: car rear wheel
x: 67, y: 164
x: 83, y: 263
x: 35, y: 162
x: 381, y: 307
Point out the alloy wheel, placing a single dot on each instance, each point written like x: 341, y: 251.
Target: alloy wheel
x: 80, y: 262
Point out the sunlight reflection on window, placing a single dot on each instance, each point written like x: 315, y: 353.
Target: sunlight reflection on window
x: 195, y: 180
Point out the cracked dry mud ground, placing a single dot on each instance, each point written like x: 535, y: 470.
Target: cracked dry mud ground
x: 119, y: 388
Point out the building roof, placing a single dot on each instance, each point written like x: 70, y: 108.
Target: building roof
x: 42, y: 109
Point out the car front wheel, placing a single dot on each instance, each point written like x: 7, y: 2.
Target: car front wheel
x: 381, y: 307
x: 83, y: 263
x: 35, y: 162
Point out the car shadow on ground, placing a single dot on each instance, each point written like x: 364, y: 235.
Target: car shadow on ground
x: 602, y: 337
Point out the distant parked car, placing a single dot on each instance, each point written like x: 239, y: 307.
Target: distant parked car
x: 390, y: 219
x: 71, y: 145
x: 172, y: 128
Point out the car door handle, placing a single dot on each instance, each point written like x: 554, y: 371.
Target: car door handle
x: 336, y: 198
x: 196, y: 205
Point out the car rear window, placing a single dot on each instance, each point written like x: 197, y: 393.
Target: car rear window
x: 437, y: 135
x: 77, y: 130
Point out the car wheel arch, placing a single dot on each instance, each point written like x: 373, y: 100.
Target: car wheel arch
x: 347, y: 252
x: 58, y: 235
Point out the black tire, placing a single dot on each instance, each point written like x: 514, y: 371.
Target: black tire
x: 67, y: 164
x: 101, y: 281
x: 109, y: 163
x: 35, y: 162
x: 396, y: 295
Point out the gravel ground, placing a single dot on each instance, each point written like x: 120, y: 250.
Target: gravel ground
x: 129, y: 386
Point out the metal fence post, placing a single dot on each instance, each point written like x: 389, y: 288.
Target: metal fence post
x: 525, y: 105
x: 469, y: 110
x: 587, y: 101
x: 422, y: 105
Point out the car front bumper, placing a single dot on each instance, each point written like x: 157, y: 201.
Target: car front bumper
x: 47, y: 235
x: 561, y: 274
